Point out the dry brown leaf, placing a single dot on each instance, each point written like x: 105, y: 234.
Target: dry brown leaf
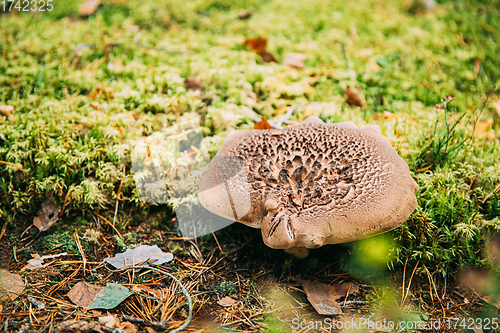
x: 109, y: 321
x: 496, y: 105
x: 323, y: 297
x: 262, y: 125
x: 88, y: 7
x: 150, y: 329
x: 11, y: 285
x: 6, y: 110
x: 127, y: 327
x: 268, y: 57
x: 257, y: 45
x: 295, y: 60
x: 48, y: 215
x: 193, y: 83
x: 244, y: 15
x: 354, y: 97
x: 37, y: 261
x: 226, y: 301
x: 83, y: 293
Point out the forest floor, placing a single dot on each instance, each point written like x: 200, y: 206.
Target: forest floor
x: 80, y: 90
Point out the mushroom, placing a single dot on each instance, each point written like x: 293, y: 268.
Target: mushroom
x: 310, y: 185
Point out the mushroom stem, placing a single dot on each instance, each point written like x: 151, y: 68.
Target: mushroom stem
x: 298, y: 252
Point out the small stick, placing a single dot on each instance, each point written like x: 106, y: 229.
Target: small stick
x: 66, y: 199
x: 112, y: 226
x: 119, y: 191
x: 14, y: 165
x: 4, y: 227
x: 77, y: 240
x: 216, y: 240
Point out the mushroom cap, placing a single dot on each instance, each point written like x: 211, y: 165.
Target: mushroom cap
x: 311, y: 184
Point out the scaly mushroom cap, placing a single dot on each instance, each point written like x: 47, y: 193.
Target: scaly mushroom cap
x: 312, y: 184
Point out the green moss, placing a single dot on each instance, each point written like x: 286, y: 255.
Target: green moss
x: 71, y: 142
x: 224, y: 288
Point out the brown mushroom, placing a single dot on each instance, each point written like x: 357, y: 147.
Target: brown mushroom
x: 311, y: 184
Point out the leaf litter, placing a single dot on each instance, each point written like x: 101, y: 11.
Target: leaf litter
x: 48, y: 215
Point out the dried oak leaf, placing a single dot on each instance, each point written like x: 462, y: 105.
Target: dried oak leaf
x: 193, y: 83
x: 244, y: 15
x: 267, y: 56
x: 354, y: 97
x: 257, y: 45
x: 226, y: 301
x: 262, y: 125
x: 323, y: 297
x: 88, y: 7
x: 83, y: 293
x: 48, y: 215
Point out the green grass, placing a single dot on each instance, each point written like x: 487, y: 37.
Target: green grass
x: 72, y: 142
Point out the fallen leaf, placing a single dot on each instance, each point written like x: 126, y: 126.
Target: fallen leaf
x: 150, y: 329
x: 193, y: 83
x: 110, y: 297
x: 83, y: 293
x: 257, y: 45
x: 127, y: 327
x: 48, y: 215
x: 496, y: 105
x: 262, y: 125
x: 226, y: 301
x: 244, y: 15
x: 88, y: 7
x: 267, y: 56
x: 323, y: 297
x: 73, y: 326
x: 6, y: 110
x: 37, y: 261
x: 139, y: 254
x: 11, y: 285
x: 109, y: 321
x: 354, y: 97
x: 295, y: 60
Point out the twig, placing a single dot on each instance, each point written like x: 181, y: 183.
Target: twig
x: 488, y: 197
x: 183, y: 290
x: 66, y: 199
x: 119, y: 188
x: 84, y: 259
x: 216, y: 240
x: 4, y: 227
x: 112, y: 226
x: 352, y: 302
x: 14, y: 165
x: 409, y: 283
